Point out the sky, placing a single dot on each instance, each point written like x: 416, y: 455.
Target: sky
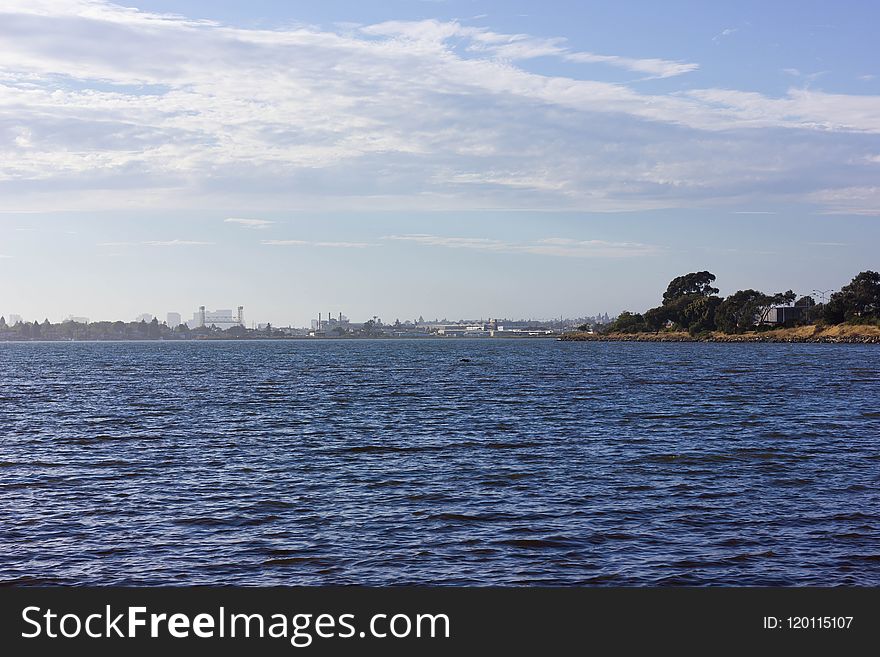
x: 438, y: 158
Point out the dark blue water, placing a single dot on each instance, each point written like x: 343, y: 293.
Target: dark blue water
x: 396, y: 462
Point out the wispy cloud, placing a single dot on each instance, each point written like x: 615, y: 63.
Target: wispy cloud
x: 520, y: 46
x: 656, y: 68
x: 726, y: 32
x: 330, y: 245
x: 171, y: 243
x: 553, y: 246
x: 177, y: 243
x: 381, y: 117
x: 849, y: 200
x: 754, y: 212
x: 249, y: 223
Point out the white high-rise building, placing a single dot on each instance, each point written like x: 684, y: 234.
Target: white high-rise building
x: 222, y: 319
x: 14, y: 319
x: 173, y: 320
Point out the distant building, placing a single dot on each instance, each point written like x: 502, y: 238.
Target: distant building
x: 222, y: 319
x: 173, y: 320
x: 146, y: 317
x: 77, y: 320
x: 781, y: 315
x: 14, y: 319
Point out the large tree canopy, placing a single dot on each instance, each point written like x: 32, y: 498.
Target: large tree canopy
x: 858, y: 301
x: 699, y: 282
x: 687, y: 303
x: 739, y: 311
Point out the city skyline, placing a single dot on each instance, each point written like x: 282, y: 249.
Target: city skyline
x: 223, y: 318
x: 445, y: 158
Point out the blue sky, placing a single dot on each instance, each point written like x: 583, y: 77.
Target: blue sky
x: 445, y: 159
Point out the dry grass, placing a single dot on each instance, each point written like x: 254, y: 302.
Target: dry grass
x: 812, y: 333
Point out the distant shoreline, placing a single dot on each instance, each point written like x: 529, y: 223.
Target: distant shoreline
x: 812, y: 334
x: 295, y: 338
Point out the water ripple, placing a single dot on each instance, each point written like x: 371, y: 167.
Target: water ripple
x: 439, y: 462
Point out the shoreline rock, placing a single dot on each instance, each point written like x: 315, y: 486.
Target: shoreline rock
x: 804, y: 335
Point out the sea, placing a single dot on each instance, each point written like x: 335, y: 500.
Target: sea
x: 448, y: 462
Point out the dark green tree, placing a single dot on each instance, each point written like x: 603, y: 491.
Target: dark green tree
x: 628, y: 322
x: 858, y: 301
x: 741, y: 310
x: 656, y: 318
x: 688, y: 303
x: 699, y: 283
x: 699, y: 315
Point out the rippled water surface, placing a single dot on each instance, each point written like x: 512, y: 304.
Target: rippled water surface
x: 440, y: 462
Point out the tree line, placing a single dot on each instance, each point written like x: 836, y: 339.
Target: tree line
x: 692, y: 304
x: 142, y: 330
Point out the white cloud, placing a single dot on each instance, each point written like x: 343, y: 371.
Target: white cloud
x: 657, y: 68
x: 849, y: 200
x: 157, y: 243
x: 396, y: 116
x: 332, y: 245
x: 432, y: 33
x: 177, y: 243
x: 249, y: 223
x: 726, y: 32
x: 552, y: 246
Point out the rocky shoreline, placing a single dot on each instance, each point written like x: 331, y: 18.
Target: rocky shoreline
x: 806, y: 334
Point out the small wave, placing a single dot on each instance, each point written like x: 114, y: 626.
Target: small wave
x: 522, y: 445
x: 271, y: 504
x: 390, y: 449
x: 294, y: 561
x: 536, y: 543
x: 28, y: 580
x: 466, y: 517
x: 206, y: 521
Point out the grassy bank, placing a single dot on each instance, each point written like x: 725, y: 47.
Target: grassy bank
x: 840, y: 333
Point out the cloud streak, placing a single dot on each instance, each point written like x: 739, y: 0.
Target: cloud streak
x: 329, y: 245
x: 249, y: 223
x: 158, y: 243
x: 382, y: 117
x: 553, y: 246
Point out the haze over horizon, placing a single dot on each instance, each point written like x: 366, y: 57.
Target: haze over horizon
x: 458, y: 159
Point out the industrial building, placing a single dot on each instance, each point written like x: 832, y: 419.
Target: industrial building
x: 222, y: 319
